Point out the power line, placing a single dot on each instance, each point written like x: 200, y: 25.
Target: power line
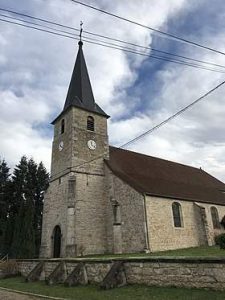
x: 38, y: 19
x: 159, y: 125
x: 101, y: 36
x: 150, y: 28
x: 109, y: 45
x: 148, y: 131
x: 36, y: 24
x: 171, y: 117
x: 154, y: 49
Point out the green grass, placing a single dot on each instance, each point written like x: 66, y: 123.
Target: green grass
x: 132, y: 292
x: 204, y: 251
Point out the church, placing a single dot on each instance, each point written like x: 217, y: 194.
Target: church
x: 103, y: 199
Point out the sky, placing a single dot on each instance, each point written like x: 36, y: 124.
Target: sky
x: 138, y: 92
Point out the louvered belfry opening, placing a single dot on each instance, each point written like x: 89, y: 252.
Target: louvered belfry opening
x: 90, y: 123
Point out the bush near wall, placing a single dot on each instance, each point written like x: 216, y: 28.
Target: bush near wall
x: 9, y: 269
x: 220, y: 240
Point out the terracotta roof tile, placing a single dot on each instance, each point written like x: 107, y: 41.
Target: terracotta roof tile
x: 159, y: 177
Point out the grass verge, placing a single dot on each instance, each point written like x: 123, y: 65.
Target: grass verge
x: 132, y: 292
x: 203, y: 251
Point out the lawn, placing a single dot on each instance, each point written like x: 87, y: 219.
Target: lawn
x: 132, y: 292
x: 204, y: 251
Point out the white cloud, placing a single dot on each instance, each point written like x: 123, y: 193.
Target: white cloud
x: 36, y: 69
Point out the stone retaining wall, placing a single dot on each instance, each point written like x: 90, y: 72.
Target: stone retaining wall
x: 158, y: 271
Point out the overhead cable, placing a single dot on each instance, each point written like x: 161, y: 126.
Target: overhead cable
x: 163, y: 33
x: 102, y: 36
x: 108, y: 45
x: 171, y: 117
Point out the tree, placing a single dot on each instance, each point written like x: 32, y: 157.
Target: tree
x: 29, y: 181
x: 41, y: 186
x: 4, y: 200
x: 17, y: 204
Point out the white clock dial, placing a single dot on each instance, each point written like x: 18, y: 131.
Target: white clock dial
x: 91, y: 144
x: 61, y: 146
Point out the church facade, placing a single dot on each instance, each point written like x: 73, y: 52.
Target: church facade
x: 103, y: 199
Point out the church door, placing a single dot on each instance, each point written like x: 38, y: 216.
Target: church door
x: 56, y: 242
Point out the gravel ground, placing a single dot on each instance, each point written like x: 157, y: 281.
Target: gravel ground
x: 5, y: 295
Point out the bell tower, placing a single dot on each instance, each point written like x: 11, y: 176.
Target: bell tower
x: 75, y: 201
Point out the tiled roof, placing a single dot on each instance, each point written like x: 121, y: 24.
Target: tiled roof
x: 163, y: 178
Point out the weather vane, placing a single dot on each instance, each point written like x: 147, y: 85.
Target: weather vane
x: 81, y: 29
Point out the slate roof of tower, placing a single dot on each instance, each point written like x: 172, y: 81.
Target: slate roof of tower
x: 163, y: 178
x: 80, y: 91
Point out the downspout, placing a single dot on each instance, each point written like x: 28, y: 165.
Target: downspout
x: 146, y: 226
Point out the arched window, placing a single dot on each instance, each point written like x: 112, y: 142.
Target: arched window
x: 62, y: 126
x: 57, y: 241
x: 215, y: 217
x: 90, y: 123
x: 177, y: 214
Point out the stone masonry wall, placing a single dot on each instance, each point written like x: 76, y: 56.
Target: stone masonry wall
x: 76, y: 197
x: 131, y: 210
x: 157, y: 271
x: 55, y: 213
x: 90, y: 214
x: 162, y: 233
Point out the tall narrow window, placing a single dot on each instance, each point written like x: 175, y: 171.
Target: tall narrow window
x: 116, y: 214
x: 57, y: 241
x: 62, y: 126
x: 90, y: 123
x: 177, y: 214
x: 215, y: 217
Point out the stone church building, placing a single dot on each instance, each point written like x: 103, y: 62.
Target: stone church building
x: 103, y: 199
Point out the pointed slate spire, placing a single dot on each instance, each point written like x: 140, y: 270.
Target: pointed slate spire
x: 80, y: 91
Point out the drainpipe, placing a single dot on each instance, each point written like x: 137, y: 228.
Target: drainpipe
x: 146, y: 226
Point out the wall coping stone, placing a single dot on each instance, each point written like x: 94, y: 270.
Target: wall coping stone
x: 156, y: 259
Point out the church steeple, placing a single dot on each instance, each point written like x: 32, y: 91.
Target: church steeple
x: 80, y: 91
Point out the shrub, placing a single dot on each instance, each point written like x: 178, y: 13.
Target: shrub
x: 9, y: 268
x: 220, y: 240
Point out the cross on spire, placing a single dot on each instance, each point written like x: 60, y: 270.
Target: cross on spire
x: 81, y: 30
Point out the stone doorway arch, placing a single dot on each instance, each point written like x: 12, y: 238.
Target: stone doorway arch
x: 57, y: 241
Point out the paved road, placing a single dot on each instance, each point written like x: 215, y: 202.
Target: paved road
x: 5, y: 295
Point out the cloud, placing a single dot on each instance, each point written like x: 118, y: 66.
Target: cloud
x: 137, y: 92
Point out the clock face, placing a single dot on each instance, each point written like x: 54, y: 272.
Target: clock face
x: 61, y: 146
x: 91, y: 145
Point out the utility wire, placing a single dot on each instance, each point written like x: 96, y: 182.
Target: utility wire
x: 146, y: 132
x: 160, y: 124
x: 109, y: 45
x: 36, y: 24
x: 154, y: 49
x: 176, y: 37
x: 101, y: 36
x: 171, y: 117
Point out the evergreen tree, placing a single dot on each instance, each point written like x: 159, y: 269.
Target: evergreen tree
x: 24, y: 211
x: 14, y: 230
x: 4, y: 201
x: 41, y: 186
x: 29, y: 181
x: 23, y: 245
